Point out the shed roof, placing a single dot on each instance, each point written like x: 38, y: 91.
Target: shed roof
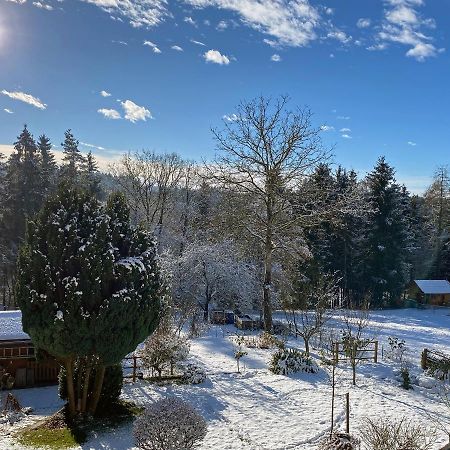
x: 433, y: 286
x: 11, y: 326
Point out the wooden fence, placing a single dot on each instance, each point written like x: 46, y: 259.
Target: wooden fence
x: 135, y: 366
x: 365, y: 352
x: 436, y: 362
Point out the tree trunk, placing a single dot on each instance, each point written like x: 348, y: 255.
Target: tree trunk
x: 267, y: 305
x: 68, y: 364
x: 87, y: 376
x: 99, y: 375
x: 306, y: 346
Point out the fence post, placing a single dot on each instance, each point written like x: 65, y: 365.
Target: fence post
x: 375, y: 358
x: 424, y: 359
x: 347, y: 411
x: 336, y: 352
x: 134, y: 368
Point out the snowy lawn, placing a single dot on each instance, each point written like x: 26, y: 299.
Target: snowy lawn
x: 259, y: 410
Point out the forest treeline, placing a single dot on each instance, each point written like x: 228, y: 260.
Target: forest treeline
x: 264, y: 225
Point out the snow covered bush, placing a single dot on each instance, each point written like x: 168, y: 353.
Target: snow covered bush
x: 169, y: 424
x: 290, y: 360
x: 193, y: 374
x: 385, y: 434
x: 164, y: 349
x: 397, y: 349
x: 339, y: 441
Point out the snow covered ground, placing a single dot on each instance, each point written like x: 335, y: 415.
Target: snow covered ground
x: 259, y: 410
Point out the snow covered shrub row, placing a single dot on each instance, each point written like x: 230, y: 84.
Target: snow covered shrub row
x: 339, y: 441
x: 193, y: 374
x: 290, y: 360
x: 169, y: 424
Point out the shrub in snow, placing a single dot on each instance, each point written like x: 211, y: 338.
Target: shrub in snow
x: 339, y: 441
x: 193, y: 374
x: 385, y: 434
x: 406, y: 379
x: 267, y: 340
x: 397, y: 349
x: 88, y: 285
x: 164, y: 349
x: 169, y: 424
x: 290, y: 360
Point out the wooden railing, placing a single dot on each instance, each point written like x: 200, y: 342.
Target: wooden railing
x: 365, y: 352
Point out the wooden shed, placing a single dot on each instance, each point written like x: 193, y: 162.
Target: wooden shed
x: 245, y: 322
x: 18, y: 355
x: 430, y: 292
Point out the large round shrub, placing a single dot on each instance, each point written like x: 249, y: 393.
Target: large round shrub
x: 169, y: 424
x: 290, y: 360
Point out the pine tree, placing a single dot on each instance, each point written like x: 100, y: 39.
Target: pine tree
x: 385, y: 246
x: 73, y: 160
x: 88, y: 286
x: 22, y: 185
x: 48, y: 164
x: 91, y: 176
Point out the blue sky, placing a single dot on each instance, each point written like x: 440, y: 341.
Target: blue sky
x: 375, y: 73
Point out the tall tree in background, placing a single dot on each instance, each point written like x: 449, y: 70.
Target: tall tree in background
x: 49, y: 167
x: 91, y: 176
x: 264, y: 154
x: 73, y: 160
x: 385, y: 243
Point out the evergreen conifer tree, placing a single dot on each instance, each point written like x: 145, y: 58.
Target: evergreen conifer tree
x: 48, y: 164
x: 88, y: 286
x: 91, y: 176
x: 73, y: 160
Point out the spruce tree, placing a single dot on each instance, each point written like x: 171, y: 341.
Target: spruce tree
x: 88, y: 286
x: 22, y: 186
x: 73, y: 160
x: 92, y: 181
x: 385, y: 245
x: 48, y: 164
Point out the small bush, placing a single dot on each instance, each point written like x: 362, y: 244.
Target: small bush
x: 285, y: 361
x: 193, y: 374
x: 164, y: 349
x: 406, y: 379
x: 385, y: 434
x: 397, y: 349
x: 339, y: 441
x: 169, y: 424
x: 111, y: 388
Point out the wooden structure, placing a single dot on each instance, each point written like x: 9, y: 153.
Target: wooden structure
x: 368, y: 352
x: 245, y: 322
x: 222, y: 317
x: 18, y: 356
x: 430, y: 292
x: 437, y: 362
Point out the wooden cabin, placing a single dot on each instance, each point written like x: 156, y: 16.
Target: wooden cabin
x: 18, y: 355
x: 222, y: 317
x: 245, y: 322
x: 430, y: 292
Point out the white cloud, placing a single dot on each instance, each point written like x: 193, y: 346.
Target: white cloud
x: 403, y: 24
x: 43, y: 6
x: 216, y: 57
x: 377, y: 47
x: 275, y: 58
x: 222, y: 25
x: 363, y: 23
x: 230, y: 118
x: 120, y: 42
x: 26, y: 98
x: 105, y: 94
x: 343, y: 117
x: 345, y: 130
x: 176, y: 48
x: 110, y: 113
x: 339, y: 36
x: 134, y: 112
x: 413, y: 144
x: 139, y: 13
x: 85, y: 144
x: 346, y: 136
x: 198, y: 43
x: 327, y: 128
x: 19, y: 2
x: 190, y: 21
x: 288, y: 22
x: 153, y: 46
x: 8, y: 111
x: 332, y: 55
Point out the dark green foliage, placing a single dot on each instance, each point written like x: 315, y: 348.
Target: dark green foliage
x: 290, y: 360
x: 111, y: 388
x: 406, y: 379
x: 91, y: 177
x: 73, y: 160
x: 49, y: 168
x: 85, y: 289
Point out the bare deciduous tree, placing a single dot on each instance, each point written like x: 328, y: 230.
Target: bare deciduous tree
x: 266, y: 153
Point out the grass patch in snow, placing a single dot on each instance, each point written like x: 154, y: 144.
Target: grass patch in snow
x: 56, y: 433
